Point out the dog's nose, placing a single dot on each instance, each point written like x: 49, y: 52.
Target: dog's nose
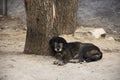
x: 58, y: 49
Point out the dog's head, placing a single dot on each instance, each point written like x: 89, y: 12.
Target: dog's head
x: 58, y: 44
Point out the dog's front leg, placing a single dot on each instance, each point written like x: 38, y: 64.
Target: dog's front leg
x: 59, y: 60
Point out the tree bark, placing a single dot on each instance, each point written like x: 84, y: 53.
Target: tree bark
x: 39, y: 26
x: 65, y: 19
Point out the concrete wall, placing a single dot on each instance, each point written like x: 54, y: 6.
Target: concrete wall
x: 1, y: 7
x: 91, y: 13
x: 100, y: 13
x: 16, y: 9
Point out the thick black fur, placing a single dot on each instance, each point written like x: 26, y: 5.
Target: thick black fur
x: 75, y: 50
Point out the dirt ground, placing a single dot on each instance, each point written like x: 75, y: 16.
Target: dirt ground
x: 14, y: 65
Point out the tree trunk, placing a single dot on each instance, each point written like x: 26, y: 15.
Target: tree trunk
x: 65, y: 19
x: 45, y: 20
x: 39, y: 26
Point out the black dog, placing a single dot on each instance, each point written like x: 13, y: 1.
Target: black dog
x: 65, y: 52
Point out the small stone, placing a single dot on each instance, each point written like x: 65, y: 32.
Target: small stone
x: 90, y: 33
x: 110, y: 38
x: 98, y: 33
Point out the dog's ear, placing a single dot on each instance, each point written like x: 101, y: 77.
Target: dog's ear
x: 52, y: 40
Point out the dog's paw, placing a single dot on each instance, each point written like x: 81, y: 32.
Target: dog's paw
x: 55, y: 62
x: 58, y: 62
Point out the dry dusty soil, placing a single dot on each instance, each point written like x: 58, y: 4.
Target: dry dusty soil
x: 15, y: 65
